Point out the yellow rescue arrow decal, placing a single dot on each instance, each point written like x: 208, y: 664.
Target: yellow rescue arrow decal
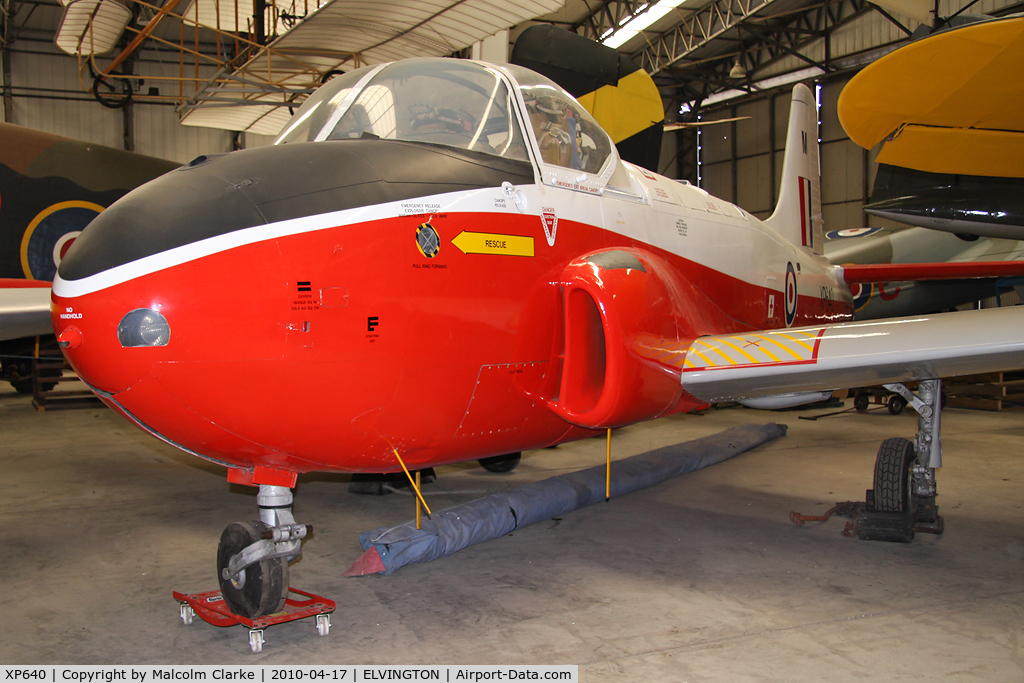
x: 489, y: 243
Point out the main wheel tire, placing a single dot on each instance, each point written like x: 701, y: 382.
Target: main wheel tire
x: 892, y: 475
x: 896, y: 404
x: 501, y: 463
x: 260, y: 588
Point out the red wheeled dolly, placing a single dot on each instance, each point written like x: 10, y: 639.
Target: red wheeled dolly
x: 211, y: 608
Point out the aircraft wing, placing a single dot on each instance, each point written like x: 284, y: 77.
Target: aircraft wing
x: 825, y: 357
x: 854, y: 354
x: 851, y: 354
x: 957, y: 110
x: 912, y: 272
x: 24, y: 309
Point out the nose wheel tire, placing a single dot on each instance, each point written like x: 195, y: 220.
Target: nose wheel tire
x: 260, y: 588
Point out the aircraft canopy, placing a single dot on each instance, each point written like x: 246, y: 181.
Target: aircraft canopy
x: 454, y: 102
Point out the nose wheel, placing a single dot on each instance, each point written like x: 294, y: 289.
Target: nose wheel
x: 262, y: 587
x: 252, y: 569
x: 253, y: 557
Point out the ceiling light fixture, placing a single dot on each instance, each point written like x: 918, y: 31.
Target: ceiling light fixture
x: 632, y: 26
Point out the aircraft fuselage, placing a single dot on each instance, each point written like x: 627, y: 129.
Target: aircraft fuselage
x: 317, y: 306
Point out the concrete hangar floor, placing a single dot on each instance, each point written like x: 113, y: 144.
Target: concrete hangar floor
x: 702, y: 578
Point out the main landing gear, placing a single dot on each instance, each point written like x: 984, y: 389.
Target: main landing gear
x: 253, y: 557
x: 501, y: 463
x: 383, y: 484
x: 902, y: 500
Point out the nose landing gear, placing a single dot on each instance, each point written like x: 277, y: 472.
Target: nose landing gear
x: 253, y: 557
x: 252, y: 568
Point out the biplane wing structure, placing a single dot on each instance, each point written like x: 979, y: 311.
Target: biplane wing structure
x: 947, y: 103
x: 340, y: 36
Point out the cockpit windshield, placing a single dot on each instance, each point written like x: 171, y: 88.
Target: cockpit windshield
x: 567, y: 134
x: 445, y: 101
x: 313, y: 114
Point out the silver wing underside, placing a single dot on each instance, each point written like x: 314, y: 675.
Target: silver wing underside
x: 854, y: 354
x: 24, y: 312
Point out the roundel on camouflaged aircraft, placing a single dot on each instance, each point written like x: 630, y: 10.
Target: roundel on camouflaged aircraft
x: 861, y: 294
x: 791, y: 295
x: 51, y: 233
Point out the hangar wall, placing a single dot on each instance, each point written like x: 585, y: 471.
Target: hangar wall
x: 742, y: 161
x: 49, y: 96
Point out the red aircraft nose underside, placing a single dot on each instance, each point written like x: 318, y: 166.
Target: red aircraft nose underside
x: 305, y: 353
x: 328, y: 350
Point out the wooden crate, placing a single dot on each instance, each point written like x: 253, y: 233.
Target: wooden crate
x: 50, y: 378
x: 990, y: 391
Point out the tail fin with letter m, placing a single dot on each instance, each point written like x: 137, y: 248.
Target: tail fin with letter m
x: 797, y: 216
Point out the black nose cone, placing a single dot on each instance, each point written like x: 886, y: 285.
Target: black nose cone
x: 218, y: 194
x: 178, y: 208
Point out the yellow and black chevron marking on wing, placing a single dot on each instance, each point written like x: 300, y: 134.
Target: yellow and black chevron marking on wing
x: 787, y: 347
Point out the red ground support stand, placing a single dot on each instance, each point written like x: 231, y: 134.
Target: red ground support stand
x: 212, y: 609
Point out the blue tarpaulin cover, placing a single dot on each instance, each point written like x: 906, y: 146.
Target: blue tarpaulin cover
x: 451, y: 530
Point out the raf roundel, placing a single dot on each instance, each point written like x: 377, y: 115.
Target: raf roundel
x: 851, y: 232
x: 50, y: 234
x: 862, y: 294
x: 427, y: 240
x: 791, y: 295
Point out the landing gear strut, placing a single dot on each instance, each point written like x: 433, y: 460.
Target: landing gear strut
x: 253, y: 557
x: 902, y: 500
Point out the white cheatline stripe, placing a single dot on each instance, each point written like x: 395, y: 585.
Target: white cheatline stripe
x: 468, y: 200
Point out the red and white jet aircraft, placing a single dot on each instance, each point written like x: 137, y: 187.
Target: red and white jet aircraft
x: 443, y: 260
